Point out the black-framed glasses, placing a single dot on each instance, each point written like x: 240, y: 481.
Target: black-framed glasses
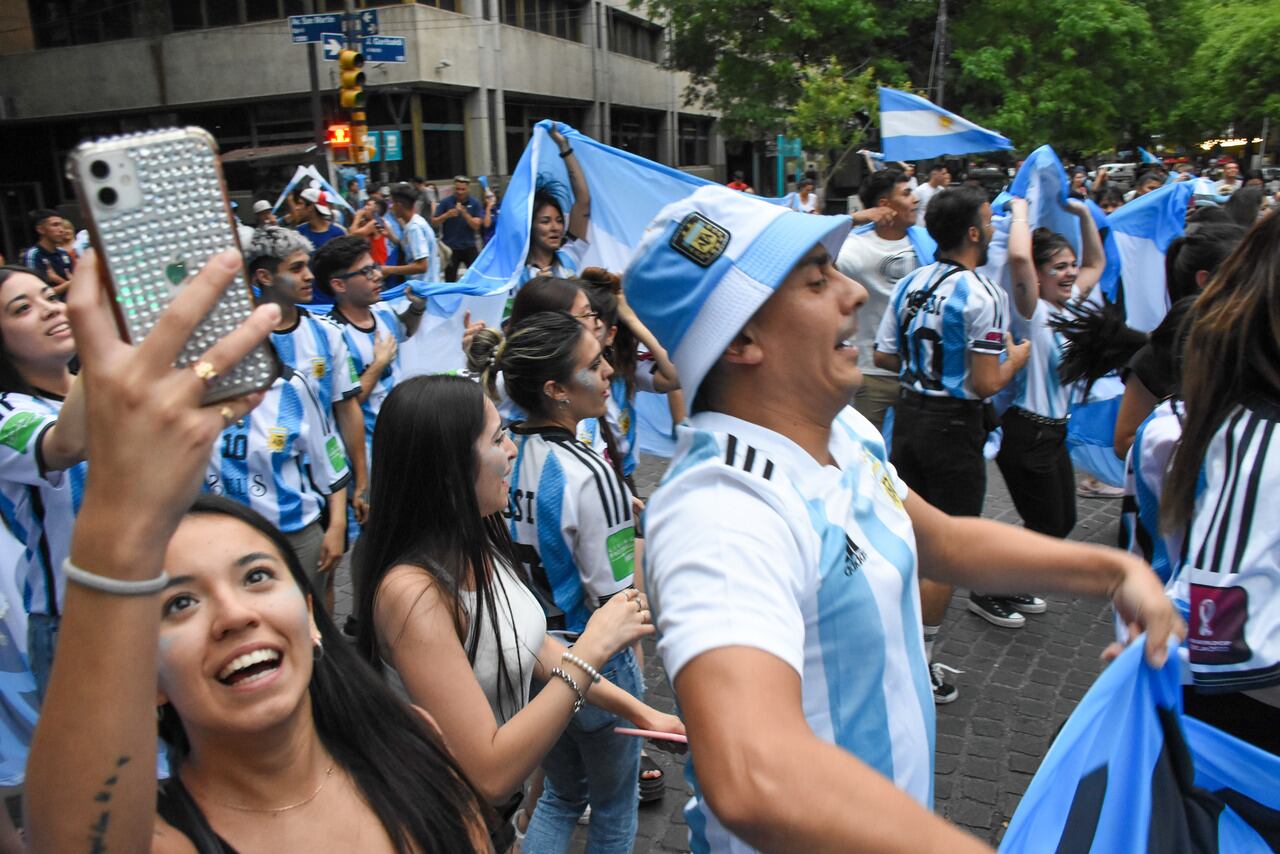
x: 587, y: 315
x: 367, y: 271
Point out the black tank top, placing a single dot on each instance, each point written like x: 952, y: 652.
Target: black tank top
x: 175, y: 805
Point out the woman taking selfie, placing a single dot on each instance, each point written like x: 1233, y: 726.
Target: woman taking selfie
x: 280, y: 738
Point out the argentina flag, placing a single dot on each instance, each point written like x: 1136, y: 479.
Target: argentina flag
x: 912, y: 128
x: 1143, y: 230
x: 1130, y: 774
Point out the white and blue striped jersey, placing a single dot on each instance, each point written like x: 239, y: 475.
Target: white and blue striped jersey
x: 316, y: 349
x: 1037, y: 387
x: 38, y: 506
x: 567, y: 264
x: 937, y: 315
x: 1145, y: 471
x: 360, y: 346
x: 751, y: 542
x: 418, y: 241
x: 1230, y: 573
x: 282, y: 458
x: 571, y: 522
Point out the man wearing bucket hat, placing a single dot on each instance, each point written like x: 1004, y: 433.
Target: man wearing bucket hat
x: 782, y: 547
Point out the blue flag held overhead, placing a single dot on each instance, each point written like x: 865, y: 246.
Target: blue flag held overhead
x: 912, y: 128
x: 1147, y: 156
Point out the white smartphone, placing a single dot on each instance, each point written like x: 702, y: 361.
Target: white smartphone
x: 156, y: 210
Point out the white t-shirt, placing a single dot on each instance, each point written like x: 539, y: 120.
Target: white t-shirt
x: 1038, y: 387
x: 877, y: 264
x: 751, y: 542
x: 924, y: 193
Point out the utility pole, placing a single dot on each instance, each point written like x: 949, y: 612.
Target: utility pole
x: 313, y: 71
x: 938, y: 60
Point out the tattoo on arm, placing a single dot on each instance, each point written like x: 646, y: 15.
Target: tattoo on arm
x: 98, y: 829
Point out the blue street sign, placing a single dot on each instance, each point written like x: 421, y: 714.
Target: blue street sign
x: 367, y: 22
x: 333, y: 45
x: 391, y: 145
x: 373, y: 143
x: 312, y: 28
x: 384, y: 49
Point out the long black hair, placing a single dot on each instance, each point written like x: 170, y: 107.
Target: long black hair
x: 397, y: 761
x: 11, y: 379
x: 424, y: 513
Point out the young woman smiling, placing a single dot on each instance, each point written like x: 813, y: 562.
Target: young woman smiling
x: 451, y: 623
x: 574, y: 532
x: 280, y: 738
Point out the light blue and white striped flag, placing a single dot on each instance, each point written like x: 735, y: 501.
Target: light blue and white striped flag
x: 912, y: 128
x: 1143, y: 230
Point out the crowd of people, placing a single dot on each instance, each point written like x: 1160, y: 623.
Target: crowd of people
x: 176, y: 560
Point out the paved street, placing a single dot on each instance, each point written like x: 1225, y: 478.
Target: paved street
x: 1016, y: 689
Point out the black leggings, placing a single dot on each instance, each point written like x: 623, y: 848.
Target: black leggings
x: 1037, y: 469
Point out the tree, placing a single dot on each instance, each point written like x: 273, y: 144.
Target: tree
x: 833, y: 112
x: 1078, y: 74
x: 749, y: 58
x: 1235, y: 71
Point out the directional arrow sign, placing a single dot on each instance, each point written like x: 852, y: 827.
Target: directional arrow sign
x: 333, y: 44
x: 312, y: 28
x: 384, y: 49
x: 368, y: 21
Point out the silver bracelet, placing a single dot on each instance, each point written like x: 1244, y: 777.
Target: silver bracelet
x: 114, y: 586
x: 569, y: 680
x: 587, y: 668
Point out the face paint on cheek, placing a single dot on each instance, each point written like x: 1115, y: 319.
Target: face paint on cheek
x: 586, y: 378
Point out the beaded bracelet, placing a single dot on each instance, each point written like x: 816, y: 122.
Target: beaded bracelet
x: 587, y: 668
x: 569, y: 680
x: 114, y: 586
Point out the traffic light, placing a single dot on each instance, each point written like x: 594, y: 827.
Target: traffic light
x: 351, y: 79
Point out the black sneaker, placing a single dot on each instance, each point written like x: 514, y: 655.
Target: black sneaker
x: 1026, y: 603
x: 995, y: 611
x: 943, y: 692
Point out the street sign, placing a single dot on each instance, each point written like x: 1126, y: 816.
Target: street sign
x: 367, y: 22
x: 333, y: 45
x: 391, y: 145
x: 313, y: 28
x: 373, y: 145
x: 384, y: 49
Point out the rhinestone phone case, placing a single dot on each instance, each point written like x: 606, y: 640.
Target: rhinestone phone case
x: 156, y: 211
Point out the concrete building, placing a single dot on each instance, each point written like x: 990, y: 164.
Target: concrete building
x: 478, y: 75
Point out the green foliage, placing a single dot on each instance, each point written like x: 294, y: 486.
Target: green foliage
x: 1083, y: 75
x: 1236, y: 68
x: 749, y: 58
x: 833, y: 110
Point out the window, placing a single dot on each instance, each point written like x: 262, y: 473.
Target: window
x: 634, y: 37
x: 635, y: 131
x: 523, y: 115
x: 62, y: 23
x: 560, y: 18
x: 695, y: 140
x: 200, y: 14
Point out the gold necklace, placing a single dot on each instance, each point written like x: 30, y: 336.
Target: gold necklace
x: 276, y: 810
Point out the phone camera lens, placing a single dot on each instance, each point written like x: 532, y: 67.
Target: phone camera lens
x: 99, y: 169
x: 107, y: 196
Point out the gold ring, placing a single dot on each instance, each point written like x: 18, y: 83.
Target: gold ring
x: 205, y: 371
x: 228, y: 415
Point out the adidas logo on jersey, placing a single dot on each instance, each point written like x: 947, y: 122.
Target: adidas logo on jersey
x: 854, y: 556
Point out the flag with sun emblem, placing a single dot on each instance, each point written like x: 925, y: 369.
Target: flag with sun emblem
x: 912, y: 128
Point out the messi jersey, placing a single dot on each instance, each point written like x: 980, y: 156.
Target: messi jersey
x: 360, y: 345
x: 282, y: 458
x: 316, y: 348
x: 571, y: 522
x: 38, y: 506
x: 752, y: 542
x: 937, y: 315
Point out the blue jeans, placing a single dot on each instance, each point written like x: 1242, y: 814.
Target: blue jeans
x: 42, y: 637
x: 591, y: 764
